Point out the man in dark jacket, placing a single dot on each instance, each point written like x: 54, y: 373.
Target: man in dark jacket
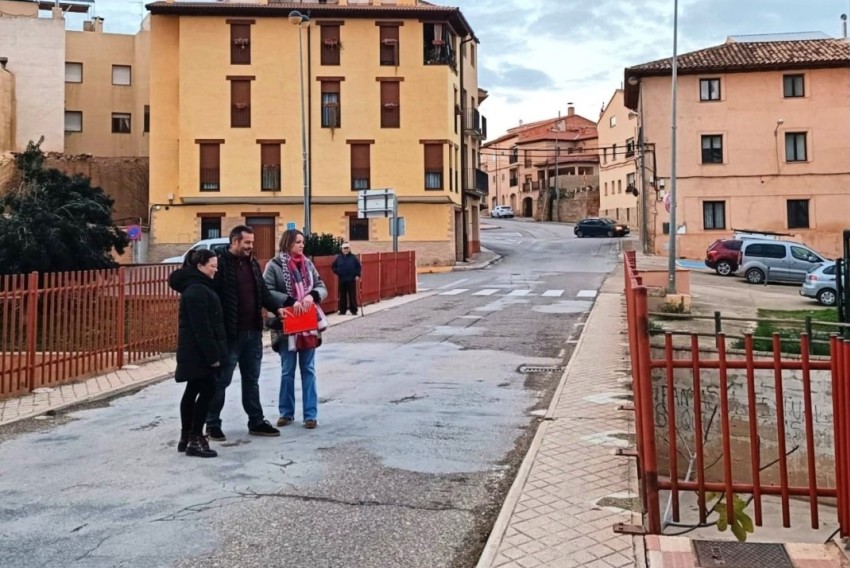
x: 347, y: 269
x: 240, y: 285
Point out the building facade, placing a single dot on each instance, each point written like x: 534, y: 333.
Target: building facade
x: 762, y: 141
x: 618, y: 162
x: 391, y: 100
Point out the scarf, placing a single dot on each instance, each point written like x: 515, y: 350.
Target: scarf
x: 299, y: 282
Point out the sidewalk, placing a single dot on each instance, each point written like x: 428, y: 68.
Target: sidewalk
x: 571, y: 489
x: 132, y: 377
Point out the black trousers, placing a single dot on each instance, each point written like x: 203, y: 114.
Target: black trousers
x: 348, y: 296
x: 196, y: 403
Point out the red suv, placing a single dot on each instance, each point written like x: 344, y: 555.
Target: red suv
x: 722, y: 256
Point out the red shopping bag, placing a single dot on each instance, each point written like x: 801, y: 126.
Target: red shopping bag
x: 307, y: 321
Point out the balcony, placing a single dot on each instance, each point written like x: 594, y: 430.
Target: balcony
x: 475, y: 124
x: 531, y: 186
x: 479, y: 181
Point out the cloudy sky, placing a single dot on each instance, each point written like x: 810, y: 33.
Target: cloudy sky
x: 538, y: 55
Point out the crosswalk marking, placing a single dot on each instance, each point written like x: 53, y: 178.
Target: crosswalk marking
x: 586, y: 294
x: 486, y: 292
x: 519, y: 293
x: 553, y: 293
x: 455, y: 292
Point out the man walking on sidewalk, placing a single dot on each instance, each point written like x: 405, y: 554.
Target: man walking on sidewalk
x: 347, y: 269
x: 240, y: 285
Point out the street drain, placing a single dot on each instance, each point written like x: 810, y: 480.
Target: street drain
x: 716, y: 554
x: 538, y: 368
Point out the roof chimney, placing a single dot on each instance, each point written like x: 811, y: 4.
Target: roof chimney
x: 571, y: 110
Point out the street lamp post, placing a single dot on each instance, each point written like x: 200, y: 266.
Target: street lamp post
x: 671, y: 260
x: 296, y: 18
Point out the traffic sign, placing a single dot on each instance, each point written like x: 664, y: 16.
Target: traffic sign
x: 290, y: 225
x: 399, y: 223
x: 134, y: 232
x: 375, y: 203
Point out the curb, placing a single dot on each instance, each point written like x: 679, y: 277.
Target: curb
x: 501, y: 525
x: 463, y: 268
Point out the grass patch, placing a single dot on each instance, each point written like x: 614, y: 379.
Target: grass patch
x: 790, y: 333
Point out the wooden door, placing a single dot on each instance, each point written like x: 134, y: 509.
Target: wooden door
x: 264, y: 237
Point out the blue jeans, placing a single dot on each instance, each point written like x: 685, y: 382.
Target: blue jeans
x: 307, y: 362
x: 247, y: 353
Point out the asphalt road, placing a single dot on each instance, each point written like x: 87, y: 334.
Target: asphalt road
x: 425, y: 414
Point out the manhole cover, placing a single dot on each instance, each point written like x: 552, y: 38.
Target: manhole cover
x: 713, y: 554
x: 537, y: 369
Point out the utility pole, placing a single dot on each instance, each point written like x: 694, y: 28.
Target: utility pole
x: 671, y: 260
x: 557, y: 156
x: 644, y: 206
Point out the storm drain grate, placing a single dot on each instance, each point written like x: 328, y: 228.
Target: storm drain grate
x: 714, y: 554
x: 538, y: 369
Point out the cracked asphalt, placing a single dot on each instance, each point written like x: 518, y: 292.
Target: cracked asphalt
x: 424, y: 417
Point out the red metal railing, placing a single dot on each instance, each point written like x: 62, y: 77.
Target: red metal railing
x: 749, y: 422
x: 57, y: 328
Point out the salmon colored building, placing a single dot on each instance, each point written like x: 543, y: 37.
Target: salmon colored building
x: 392, y: 101
x: 763, y: 124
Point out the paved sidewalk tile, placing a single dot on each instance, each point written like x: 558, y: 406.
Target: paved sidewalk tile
x: 576, y: 487
x: 677, y: 552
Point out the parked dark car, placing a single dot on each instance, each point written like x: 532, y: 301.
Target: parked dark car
x: 722, y: 256
x: 600, y: 227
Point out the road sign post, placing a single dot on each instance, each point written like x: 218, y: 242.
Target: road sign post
x: 376, y: 203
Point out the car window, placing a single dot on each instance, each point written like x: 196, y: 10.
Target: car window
x: 765, y: 251
x: 733, y: 245
x: 829, y: 269
x: 219, y: 248
x: 800, y: 253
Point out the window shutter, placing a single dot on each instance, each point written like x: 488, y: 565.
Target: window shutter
x: 121, y: 75
x: 330, y: 45
x: 73, y: 72
x: 240, y: 44
x: 360, y: 167
x: 433, y: 156
x: 390, y: 107
x: 210, y: 160
x: 270, y: 167
x: 389, y: 45
x: 330, y: 86
x: 240, y: 110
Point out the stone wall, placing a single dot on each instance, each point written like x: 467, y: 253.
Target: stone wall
x: 572, y: 206
x: 766, y: 406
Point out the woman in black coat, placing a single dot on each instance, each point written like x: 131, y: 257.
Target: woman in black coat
x: 201, y: 347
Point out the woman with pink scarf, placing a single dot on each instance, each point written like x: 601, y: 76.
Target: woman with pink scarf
x: 295, y: 283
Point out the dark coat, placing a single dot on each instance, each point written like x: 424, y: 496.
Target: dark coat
x: 346, y: 267
x: 201, y: 339
x: 226, y: 285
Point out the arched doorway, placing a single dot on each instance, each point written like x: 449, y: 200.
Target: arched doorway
x: 526, y: 207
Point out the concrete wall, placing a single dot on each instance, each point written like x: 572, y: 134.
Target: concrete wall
x: 35, y: 48
x: 766, y: 405
x: 754, y: 179
x: 7, y: 111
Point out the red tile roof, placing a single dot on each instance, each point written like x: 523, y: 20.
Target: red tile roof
x: 576, y: 128
x: 281, y: 9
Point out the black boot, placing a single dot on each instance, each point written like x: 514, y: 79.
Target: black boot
x: 198, y: 446
x: 184, y: 441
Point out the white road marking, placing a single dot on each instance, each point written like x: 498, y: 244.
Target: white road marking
x: 552, y: 293
x: 486, y: 292
x: 519, y: 293
x: 455, y: 292
x: 453, y: 284
x: 586, y: 294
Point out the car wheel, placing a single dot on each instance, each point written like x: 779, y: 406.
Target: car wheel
x: 755, y: 276
x: 827, y: 297
x: 580, y: 233
x: 610, y: 233
x: 724, y: 268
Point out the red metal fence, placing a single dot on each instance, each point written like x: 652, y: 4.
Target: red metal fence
x: 749, y: 390
x: 57, y: 328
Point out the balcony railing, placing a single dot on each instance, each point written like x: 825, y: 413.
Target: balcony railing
x: 478, y: 181
x: 270, y: 178
x: 240, y: 115
x: 210, y: 179
x: 360, y: 179
x: 475, y: 123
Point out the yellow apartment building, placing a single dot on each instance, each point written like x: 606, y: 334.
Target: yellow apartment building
x: 762, y: 141
x: 527, y: 162
x: 392, y: 101
x: 618, y: 162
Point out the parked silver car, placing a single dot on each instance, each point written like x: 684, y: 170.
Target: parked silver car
x: 820, y: 284
x: 777, y: 261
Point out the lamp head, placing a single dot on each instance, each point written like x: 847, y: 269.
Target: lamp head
x: 296, y: 18
x: 633, y: 80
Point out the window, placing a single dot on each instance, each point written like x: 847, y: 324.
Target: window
x: 472, y: 54
x: 331, y: 111
x: 713, y: 215
x: 514, y: 156
x: 433, y: 166
x: 73, y: 72
x: 147, y: 119
x: 389, y: 46
x: 390, y: 104
x: 514, y: 173
x: 360, y: 167
x: 240, y: 103
x: 456, y: 112
x: 606, y: 188
x: 439, y: 45
x: 765, y: 251
x: 619, y: 186
x: 210, y: 160
x: 330, y: 45
x: 358, y: 229
x: 240, y: 43
x: 604, y: 155
x: 630, y: 183
x: 712, y: 149
x: 630, y: 147
x: 614, y: 152
x: 210, y: 227
x: 270, y: 167
x: 795, y: 147
x: 709, y: 89
x: 73, y: 121
x: 612, y: 122
x: 121, y: 123
x: 526, y: 159
x: 798, y: 213
x: 804, y: 254
x: 794, y: 86
x: 122, y: 75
